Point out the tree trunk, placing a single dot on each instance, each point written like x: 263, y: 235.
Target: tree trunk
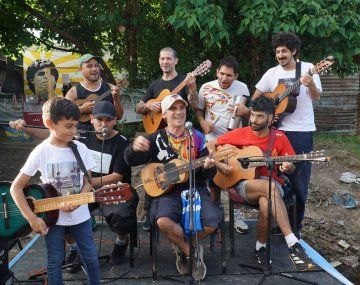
x: 131, y: 12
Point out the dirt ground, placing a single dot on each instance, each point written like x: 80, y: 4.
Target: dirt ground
x: 326, y: 224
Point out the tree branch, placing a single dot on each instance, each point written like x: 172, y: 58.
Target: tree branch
x: 52, y: 27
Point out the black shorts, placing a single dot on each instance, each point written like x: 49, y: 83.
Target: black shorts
x: 121, y: 217
x: 170, y: 206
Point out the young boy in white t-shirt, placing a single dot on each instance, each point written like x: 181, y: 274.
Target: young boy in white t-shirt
x: 53, y: 158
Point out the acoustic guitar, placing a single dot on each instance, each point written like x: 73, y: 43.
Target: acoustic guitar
x: 159, y: 178
x: 153, y: 120
x: 252, y: 157
x: 284, y: 100
x: 44, y: 200
x: 85, y: 117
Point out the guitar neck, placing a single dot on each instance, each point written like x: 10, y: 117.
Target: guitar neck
x: 49, y: 204
x: 179, y: 87
x: 280, y: 159
x: 292, y: 87
x: 196, y: 163
x: 102, y: 96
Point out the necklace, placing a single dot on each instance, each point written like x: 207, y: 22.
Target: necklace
x: 175, y: 136
x: 177, y: 143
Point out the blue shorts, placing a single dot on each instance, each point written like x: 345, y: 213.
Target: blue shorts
x: 170, y: 206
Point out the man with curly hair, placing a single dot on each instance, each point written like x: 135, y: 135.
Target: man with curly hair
x: 298, y: 126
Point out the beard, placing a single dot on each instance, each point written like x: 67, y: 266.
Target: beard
x: 93, y: 78
x: 259, y: 127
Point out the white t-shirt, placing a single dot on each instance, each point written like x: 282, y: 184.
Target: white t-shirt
x: 57, y: 166
x: 302, y: 119
x: 216, y: 100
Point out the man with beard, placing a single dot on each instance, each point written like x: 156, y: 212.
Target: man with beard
x: 298, y: 126
x: 216, y: 98
x: 255, y: 191
x: 170, y: 79
x: 93, y: 84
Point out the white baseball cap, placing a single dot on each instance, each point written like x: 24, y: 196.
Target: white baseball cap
x: 169, y: 100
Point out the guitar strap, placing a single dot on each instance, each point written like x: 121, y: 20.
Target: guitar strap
x: 79, y: 160
x: 270, y: 147
x: 297, y: 76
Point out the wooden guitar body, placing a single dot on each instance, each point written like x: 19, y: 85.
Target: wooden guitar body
x: 238, y: 172
x: 252, y: 157
x: 159, y: 178
x: 154, y: 120
x: 287, y: 105
x: 156, y: 182
x: 85, y: 117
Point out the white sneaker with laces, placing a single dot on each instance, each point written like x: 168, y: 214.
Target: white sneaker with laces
x: 240, y: 226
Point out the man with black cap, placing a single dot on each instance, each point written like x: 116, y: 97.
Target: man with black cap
x: 108, y: 145
x: 93, y: 84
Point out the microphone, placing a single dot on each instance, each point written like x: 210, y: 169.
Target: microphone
x: 78, y: 136
x: 104, y: 132
x: 188, y: 126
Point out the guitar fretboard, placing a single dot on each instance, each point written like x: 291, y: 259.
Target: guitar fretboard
x: 199, y: 162
x: 106, y: 93
x: 50, y: 204
x: 179, y: 87
x: 280, y: 159
x: 292, y: 88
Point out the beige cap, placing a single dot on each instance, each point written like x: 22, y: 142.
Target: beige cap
x: 167, y: 102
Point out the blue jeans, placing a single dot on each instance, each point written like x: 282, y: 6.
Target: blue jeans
x: 302, y: 142
x: 83, y: 235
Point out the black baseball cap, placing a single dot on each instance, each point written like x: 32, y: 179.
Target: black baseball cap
x: 104, y: 109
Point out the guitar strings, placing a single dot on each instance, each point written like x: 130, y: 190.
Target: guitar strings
x: 187, y: 164
x: 11, y: 209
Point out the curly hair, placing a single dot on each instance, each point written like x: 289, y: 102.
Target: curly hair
x: 58, y: 108
x: 288, y: 39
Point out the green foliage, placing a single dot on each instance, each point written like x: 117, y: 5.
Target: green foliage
x: 197, y: 29
x: 349, y: 142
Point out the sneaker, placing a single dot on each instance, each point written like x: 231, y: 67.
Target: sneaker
x: 240, y: 226
x: 118, y: 253
x: 300, y: 259
x: 73, y: 262
x: 261, y: 256
x: 146, y: 226
x: 198, y: 266
x: 182, y: 262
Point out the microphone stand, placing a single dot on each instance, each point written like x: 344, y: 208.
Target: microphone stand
x: 190, y: 204
x: 267, y: 269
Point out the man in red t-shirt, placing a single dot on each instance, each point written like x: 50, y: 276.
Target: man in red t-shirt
x: 255, y: 191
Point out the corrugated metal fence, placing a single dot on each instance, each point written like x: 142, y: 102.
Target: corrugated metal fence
x: 338, y: 109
